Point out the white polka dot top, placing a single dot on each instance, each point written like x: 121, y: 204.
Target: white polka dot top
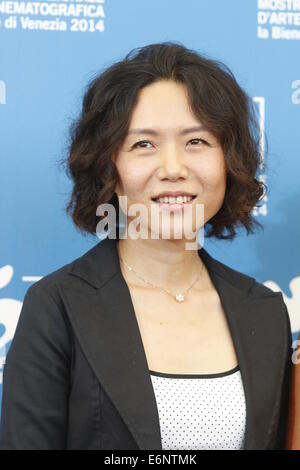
x: 198, y: 411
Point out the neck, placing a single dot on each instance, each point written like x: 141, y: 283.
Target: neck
x: 166, y: 263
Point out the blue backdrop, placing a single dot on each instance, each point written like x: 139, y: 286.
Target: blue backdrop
x: 48, y: 52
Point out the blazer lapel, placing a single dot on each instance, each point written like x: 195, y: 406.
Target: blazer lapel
x: 102, y: 314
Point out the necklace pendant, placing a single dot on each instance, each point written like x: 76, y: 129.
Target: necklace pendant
x: 179, y: 297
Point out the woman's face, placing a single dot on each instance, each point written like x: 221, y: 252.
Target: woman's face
x: 168, y: 159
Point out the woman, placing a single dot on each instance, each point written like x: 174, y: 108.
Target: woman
x: 145, y: 342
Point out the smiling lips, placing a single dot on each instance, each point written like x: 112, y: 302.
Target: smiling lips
x: 172, y: 194
x: 173, y: 202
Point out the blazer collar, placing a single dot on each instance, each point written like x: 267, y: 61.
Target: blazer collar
x: 99, y: 305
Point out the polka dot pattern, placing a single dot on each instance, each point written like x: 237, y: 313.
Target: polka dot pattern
x: 200, y: 412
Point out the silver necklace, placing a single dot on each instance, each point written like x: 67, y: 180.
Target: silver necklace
x: 179, y: 297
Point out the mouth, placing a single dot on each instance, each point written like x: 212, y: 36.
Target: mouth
x: 174, y: 203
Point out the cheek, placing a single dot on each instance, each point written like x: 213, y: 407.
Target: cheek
x: 132, y: 176
x: 212, y: 173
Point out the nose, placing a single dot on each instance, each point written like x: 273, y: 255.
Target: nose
x: 172, y: 165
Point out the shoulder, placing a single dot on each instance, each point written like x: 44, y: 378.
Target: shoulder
x: 239, y: 279
x: 43, y: 307
x: 254, y: 290
x: 47, y: 285
x: 43, y: 300
x: 257, y: 290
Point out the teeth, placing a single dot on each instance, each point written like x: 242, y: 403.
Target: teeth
x: 173, y: 200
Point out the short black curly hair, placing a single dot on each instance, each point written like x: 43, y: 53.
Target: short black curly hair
x: 216, y: 99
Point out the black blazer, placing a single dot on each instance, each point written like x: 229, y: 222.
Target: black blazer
x: 76, y: 374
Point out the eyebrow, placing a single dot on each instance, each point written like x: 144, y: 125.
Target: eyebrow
x: 150, y: 131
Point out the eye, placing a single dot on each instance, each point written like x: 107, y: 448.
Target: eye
x: 200, y: 140
x: 136, y: 145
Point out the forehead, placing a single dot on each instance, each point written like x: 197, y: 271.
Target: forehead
x: 164, y: 106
